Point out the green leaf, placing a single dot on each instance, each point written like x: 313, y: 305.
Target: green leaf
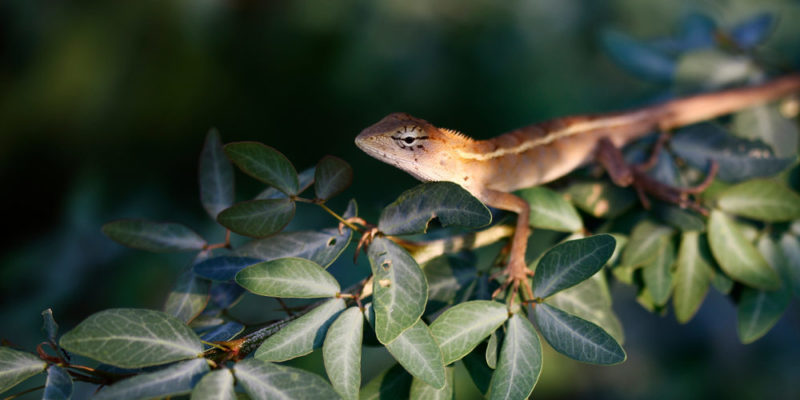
x: 658, y: 273
x: 110, y: 335
x: 570, y: 263
x: 520, y: 361
x: 721, y: 282
x: 575, y: 337
x: 394, y: 383
x: 679, y: 218
x: 160, y: 237
x: 322, y: 247
x: 478, y: 370
x: 712, y: 69
x: 305, y: 178
x: 223, y: 268
x: 288, y: 277
x: 791, y: 249
x: 737, y: 256
x: 215, y: 175
x: 692, y: 275
x: 549, y: 210
x: 591, y: 301
x: 258, y: 218
x: 758, y: 311
x: 17, y: 366
x: 58, y: 385
x: 188, y: 298
x: 341, y: 352
x: 491, y: 349
x: 415, y: 208
x: 265, y: 164
x: 638, y: 58
x: 171, y: 381
x: 761, y: 199
x: 333, y: 175
x: 263, y: 380
x: 643, y: 244
x: 766, y: 123
x: 302, y: 335
x: 215, y: 385
x: 600, y: 199
x: 226, y: 331
x: 400, y: 290
x: 49, y: 325
x: 450, y: 279
x: 422, y: 390
x: 462, y: 327
x: 416, y: 350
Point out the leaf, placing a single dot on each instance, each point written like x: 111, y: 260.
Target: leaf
x: 600, y: 199
x: 265, y: 164
x: 223, y: 268
x: 226, y: 331
x: 658, y: 273
x: 753, y: 31
x: 520, y: 363
x: 462, y: 327
x: 762, y: 200
x: 692, y: 275
x: 766, y: 123
x: 333, y: 175
x: 170, y: 381
x: 215, y: 385
x: 110, y: 336
x: 416, y: 350
x: 302, y: 335
x: 306, y: 179
x: 225, y: 295
x: 341, y: 352
x: 478, y: 370
x: 738, y: 159
x: 189, y: 297
x: 591, y: 301
x: 549, y: 210
x: 49, y: 325
x: 415, y: 208
x: 322, y: 247
x: 575, y: 337
x: 449, y: 278
x: 215, y: 175
x: 17, y: 366
x: 491, y: 350
x: 570, y: 263
x: 400, y: 291
x: 58, y: 385
x: 159, y: 237
x: 712, y: 69
x: 288, y: 277
x: 791, y: 249
x: 637, y: 58
x: 263, y: 380
x: 394, y: 383
x: 737, y: 256
x: 258, y: 218
x: 758, y: 311
x: 422, y: 390
x: 679, y: 218
x: 643, y: 244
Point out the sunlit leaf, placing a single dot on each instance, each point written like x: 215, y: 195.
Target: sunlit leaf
x: 600, y: 199
x: 549, y: 210
x: 341, y: 352
x: 520, y: 362
x: 658, y: 273
x: 492, y: 349
x: 643, y: 244
x: 416, y: 350
x: 288, y: 277
x: 49, y: 325
x: 159, y: 237
x: 570, y: 263
x: 258, y: 218
x: 333, y: 175
x: 575, y: 337
x: 170, y: 381
x: 58, y: 385
x: 394, y: 383
x: 263, y: 380
x: 265, y: 164
x: 422, y: 390
x: 302, y: 335
x: 223, y: 268
x: 753, y: 30
x: 305, y: 179
x: 638, y: 58
x: 323, y: 246
x: 215, y: 175
x: 712, y: 69
x: 761, y: 199
x: 591, y: 301
x: 737, y: 256
x: 17, y: 366
x: 188, y: 298
x: 449, y: 202
x: 215, y: 385
x: 110, y: 335
x: 692, y: 275
x: 462, y: 327
x: 766, y: 123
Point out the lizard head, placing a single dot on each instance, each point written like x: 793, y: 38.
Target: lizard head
x: 413, y: 145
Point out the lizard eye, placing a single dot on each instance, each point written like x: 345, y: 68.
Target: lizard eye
x: 409, y: 139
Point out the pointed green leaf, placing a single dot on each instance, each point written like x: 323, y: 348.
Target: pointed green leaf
x: 17, y: 366
x: 449, y: 202
x: 263, y: 380
x: 491, y: 349
x: 160, y: 237
x: 189, y: 297
x: 549, y: 210
x: 171, y: 381
x: 215, y: 175
x: 258, y: 218
x: 478, y: 370
x: 591, y: 301
x: 600, y: 199
x: 766, y: 123
x: 643, y: 244
x: 305, y: 178
x: 737, y: 256
x: 49, y: 325
x: 215, y: 385
x: 416, y: 350
x: 575, y: 337
x: 638, y: 58
x: 223, y: 268
x: 110, y: 335
x: 394, y: 383
x: 450, y: 279
x: 761, y: 199
x: 658, y: 273
x: 462, y: 327
x: 265, y: 164
x: 288, y: 277
x: 302, y: 335
x: 400, y: 290
x: 341, y: 352
x: 333, y: 175
x: 692, y: 275
x: 679, y: 218
x: 758, y: 311
x: 422, y: 390
x: 790, y: 245
x: 520, y: 361
x: 58, y: 385
x: 323, y: 246
x: 570, y: 263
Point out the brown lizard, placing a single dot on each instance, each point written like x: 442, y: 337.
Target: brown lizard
x: 491, y: 169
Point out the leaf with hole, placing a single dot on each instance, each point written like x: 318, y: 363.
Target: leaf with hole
x: 570, y: 263
x: 159, y: 237
x: 215, y: 175
x: 288, y: 277
x: 258, y: 218
x: 577, y: 338
x: 265, y: 164
x: 462, y: 327
x: 520, y: 363
x: 301, y: 336
x: 322, y: 247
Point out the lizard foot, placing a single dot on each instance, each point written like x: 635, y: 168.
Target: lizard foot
x: 683, y: 197
x: 517, y: 274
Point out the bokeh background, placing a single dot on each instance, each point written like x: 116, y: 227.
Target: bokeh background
x: 104, y: 106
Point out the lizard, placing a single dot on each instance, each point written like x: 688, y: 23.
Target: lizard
x: 536, y: 154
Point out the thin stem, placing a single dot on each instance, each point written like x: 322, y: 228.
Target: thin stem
x: 342, y: 220
x: 214, y: 345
